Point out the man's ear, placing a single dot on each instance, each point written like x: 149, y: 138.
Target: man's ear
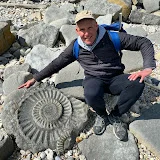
x: 77, y: 30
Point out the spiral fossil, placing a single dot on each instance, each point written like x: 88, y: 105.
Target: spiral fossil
x: 43, y: 118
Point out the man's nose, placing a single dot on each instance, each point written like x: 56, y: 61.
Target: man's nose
x: 86, y: 33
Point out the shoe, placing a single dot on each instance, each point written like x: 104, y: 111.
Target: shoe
x: 100, y: 124
x: 119, y: 128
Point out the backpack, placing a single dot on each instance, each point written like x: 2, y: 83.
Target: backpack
x: 112, y: 30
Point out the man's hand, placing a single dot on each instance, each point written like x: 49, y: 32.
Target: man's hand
x: 28, y: 83
x: 141, y: 74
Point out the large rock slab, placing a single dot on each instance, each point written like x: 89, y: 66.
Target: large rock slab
x: 54, y: 13
x: 40, y: 56
x: 60, y: 22
x: 108, y: 147
x: 136, y: 31
x: 41, y: 117
x: 6, y: 37
x: 102, y: 8
x: 146, y: 129
x: 69, y: 80
x: 140, y: 16
x: 68, y: 33
x: 38, y: 34
x: 132, y: 60
x: 151, y: 5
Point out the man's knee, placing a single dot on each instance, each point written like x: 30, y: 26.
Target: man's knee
x: 138, y: 87
x: 91, y: 96
x: 139, y: 84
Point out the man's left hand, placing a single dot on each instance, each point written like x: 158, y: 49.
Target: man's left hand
x: 142, y: 74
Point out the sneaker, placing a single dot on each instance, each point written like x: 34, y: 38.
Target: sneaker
x: 119, y: 128
x: 100, y: 124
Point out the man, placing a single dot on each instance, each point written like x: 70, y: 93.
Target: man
x: 104, y: 71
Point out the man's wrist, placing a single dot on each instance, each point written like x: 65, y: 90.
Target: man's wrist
x: 148, y: 69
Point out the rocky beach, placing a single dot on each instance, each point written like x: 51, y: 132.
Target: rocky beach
x: 47, y: 26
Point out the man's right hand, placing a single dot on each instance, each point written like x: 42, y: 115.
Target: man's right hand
x: 28, y: 83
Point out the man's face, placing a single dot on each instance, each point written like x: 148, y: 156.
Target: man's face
x: 87, y: 30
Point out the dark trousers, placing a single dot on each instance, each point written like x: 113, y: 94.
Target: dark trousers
x: 128, y: 91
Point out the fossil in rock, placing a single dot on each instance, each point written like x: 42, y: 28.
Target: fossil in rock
x: 42, y: 117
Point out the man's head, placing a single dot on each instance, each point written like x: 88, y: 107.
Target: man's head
x: 86, y: 27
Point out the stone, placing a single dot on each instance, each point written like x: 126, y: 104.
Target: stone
x: 68, y: 33
x: 40, y: 56
x: 6, y: 146
x: 69, y: 80
x: 133, y: 60
x: 102, y: 8
x: 126, y: 6
x: 151, y: 5
x: 42, y: 155
x: 6, y: 37
x: 60, y: 22
x: 46, y: 35
x: 41, y: 117
x: 108, y: 147
x: 54, y: 13
x: 136, y: 31
x: 146, y: 128
x: 154, y: 37
x: 15, y: 68
x: 141, y: 16
x: 107, y: 19
x: 15, y: 80
x: 157, y: 56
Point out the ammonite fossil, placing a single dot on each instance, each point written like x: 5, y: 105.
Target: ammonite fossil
x: 42, y: 117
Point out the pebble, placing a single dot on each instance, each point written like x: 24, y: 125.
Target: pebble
x: 57, y: 158
x: 49, y: 154
x: 21, y: 17
x: 42, y: 155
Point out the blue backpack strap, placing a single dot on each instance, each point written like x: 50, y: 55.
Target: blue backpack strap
x: 76, y: 49
x: 115, y: 39
x: 114, y: 26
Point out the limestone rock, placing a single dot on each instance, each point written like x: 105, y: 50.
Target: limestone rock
x: 42, y: 117
x: 108, y: 147
x: 46, y: 35
x: 151, y: 5
x: 146, y: 128
x: 141, y: 16
x: 154, y: 37
x: 102, y: 8
x: 68, y: 33
x: 54, y: 13
x: 40, y: 56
